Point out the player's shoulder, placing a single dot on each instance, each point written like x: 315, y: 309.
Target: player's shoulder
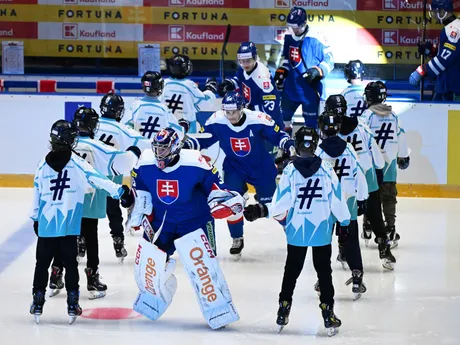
x: 318, y: 37
x: 262, y: 77
x: 258, y: 118
x: 217, y: 118
x: 193, y: 158
x: 147, y: 158
x: 453, y: 31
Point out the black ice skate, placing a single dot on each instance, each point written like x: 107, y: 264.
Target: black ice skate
x: 388, y: 260
x: 317, y: 289
x: 367, y: 232
x: 393, y: 236
x: 36, y: 307
x: 331, y: 322
x: 283, y: 315
x: 95, y: 288
x: 73, y: 308
x: 237, y: 247
x: 120, y: 251
x: 56, y: 283
x: 341, y: 256
x: 358, y: 287
x: 81, y: 247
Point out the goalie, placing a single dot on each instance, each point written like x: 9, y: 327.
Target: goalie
x: 176, y: 196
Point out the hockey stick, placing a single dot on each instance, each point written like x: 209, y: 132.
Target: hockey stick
x: 148, y: 229
x: 422, y: 58
x: 222, y: 53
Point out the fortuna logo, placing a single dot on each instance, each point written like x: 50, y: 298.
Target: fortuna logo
x: 241, y: 146
x: 294, y: 56
x: 168, y: 191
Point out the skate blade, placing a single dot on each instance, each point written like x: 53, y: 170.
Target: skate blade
x: 120, y: 261
x: 37, y: 318
x: 279, y: 328
x: 96, y: 294
x: 72, y: 319
x: 394, y: 245
x: 54, y: 292
x: 236, y: 257
x: 388, y: 265
x: 332, y: 331
x: 357, y: 296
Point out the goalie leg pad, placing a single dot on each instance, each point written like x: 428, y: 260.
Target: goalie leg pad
x: 155, y: 280
x: 207, y: 279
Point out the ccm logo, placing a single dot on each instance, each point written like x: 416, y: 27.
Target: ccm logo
x: 207, y: 290
x: 138, y: 254
x: 207, y: 246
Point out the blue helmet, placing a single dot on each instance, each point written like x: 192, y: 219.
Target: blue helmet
x: 232, y: 101
x: 297, y: 17
x: 166, y: 145
x: 446, y: 5
x: 247, y: 50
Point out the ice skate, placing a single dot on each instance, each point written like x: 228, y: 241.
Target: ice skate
x: 331, y: 322
x: 237, y: 247
x: 387, y: 258
x: 393, y: 236
x: 120, y: 251
x: 367, y: 232
x: 81, y: 248
x: 56, y: 283
x: 95, y: 288
x: 317, y: 289
x: 341, y: 257
x: 283, y: 315
x: 36, y: 307
x: 358, y: 287
x: 73, y: 308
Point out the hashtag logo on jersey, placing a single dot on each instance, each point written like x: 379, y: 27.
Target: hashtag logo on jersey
x: 341, y: 168
x: 309, y: 193
x: 175, y: 104
x: 384, y: 134
x: 59, y: 185
x: 355, y: 142
x: 359, y: 109
x: 107, y: 141
x: 150, y: 127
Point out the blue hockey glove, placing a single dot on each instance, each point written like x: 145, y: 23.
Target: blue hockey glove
x: 311, y: 75
x: 287, y: 146
x: 417, y: 76
x: 224, y: 87
x: 403, y: 163
x: 280, y: 78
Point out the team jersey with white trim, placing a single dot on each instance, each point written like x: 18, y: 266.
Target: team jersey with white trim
x: 120, y: 136
x: 356, y: 105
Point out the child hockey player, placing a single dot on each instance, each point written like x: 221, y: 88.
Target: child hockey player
x: 390, y: 136
x: 309, y: 194
x: 241, y: 134
x: 60, y: 184
x: 342, y: 157
x: 354, y: 74
x: 372, y: 162
x: 182, y: 95
x: 173, y: 187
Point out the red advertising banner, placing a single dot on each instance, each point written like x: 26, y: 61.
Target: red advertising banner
x: 18, y: 2
x: 13, y: 30
x: 197, y: 3
x: 395, y: 5
x: 193, y: 33
x: 394, y: 37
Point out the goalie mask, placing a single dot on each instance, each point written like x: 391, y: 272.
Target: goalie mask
x: 166, y: 145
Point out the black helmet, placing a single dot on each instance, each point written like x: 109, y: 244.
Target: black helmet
x: 306, y: 139
x: 329, y: 122
x: 336, y: 103
x: 112, y: 106
x: 63, y: 135
x: 180, y: 66
x: 375, y: 92
x: 86, y: 120
x: 152, y: 83
x: 354, y: 69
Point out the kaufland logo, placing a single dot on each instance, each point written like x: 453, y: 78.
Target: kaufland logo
x: 178, y: 3
x: 176, y: 32
x: 183, y: 3
x: 70, y: 31
x: 282, y: 4
x: 392, y: 5
x: 396, y: 5
x: 390, y: 37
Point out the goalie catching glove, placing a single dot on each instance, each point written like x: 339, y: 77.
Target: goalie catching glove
x: 225, y: 203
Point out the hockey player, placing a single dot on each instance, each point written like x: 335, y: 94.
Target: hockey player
x: 109, y: 162
x: 390, y: 136
x: 173, y: 187
x: 149, y: 115
x: 241, y: 134
x: 445, y: 62
x: 60, y: 184
x: 343, y: 158
x: 372, y: 162
x: 182, y: 95
x: 309, y: 195
x: 113, y: 133
x: 354, y: 74
x: 307, y: 61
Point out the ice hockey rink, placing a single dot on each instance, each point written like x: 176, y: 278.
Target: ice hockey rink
x: 418, y: 303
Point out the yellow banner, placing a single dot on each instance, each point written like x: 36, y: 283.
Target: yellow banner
x: 214, y: 16
x: 204, y: 51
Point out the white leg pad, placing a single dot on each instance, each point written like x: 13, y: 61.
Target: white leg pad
x: 155, y: 280
x: 207, y: 279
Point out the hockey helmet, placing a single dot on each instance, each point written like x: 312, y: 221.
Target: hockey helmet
x: 152, y: 83
x: 63, y: 135
x: 306, y: 139
x: 247, y: 55
x: 112, y: 106
x: 297, y: 21
x: 87, y: 121
x: 166, y: 145
x: 180, y: 66
x: 354, y: 69
x: 439, y: 9
x: 232, y: 105
x: 337, y: 104
x: 329, y: 123
x: 375, y: 92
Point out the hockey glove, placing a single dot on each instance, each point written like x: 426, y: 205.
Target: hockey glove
x: 280, y: 77
x: 256, y: 211
x: 417, y: 75
x: 224, y: 87
x: 36, y: 227
x: 362, y: 207
x: 312, y: 74
x: 127, y: 198
x: 134, y: 149
x: 185, y: 124
x: 288, y: 144
x: 211, y: 85
x: 427, y: 48
x: 379, y: 173
x: 403, y: 163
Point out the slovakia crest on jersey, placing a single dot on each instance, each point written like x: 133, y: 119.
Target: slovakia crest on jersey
x: 246, y: 92
x: 294, y: 56
x: 168, y: 190
x: 241, y: 146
